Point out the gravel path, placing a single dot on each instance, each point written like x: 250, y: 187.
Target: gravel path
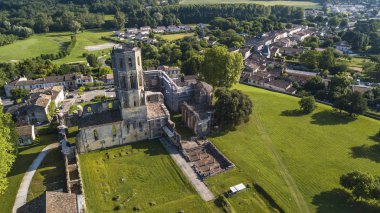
x: 27, y: 179
x: 198, y: 184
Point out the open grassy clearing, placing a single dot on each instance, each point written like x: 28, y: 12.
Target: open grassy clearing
x: 50, y: 175
x: 303, y: 4
x: 173, y: 37
x: 33, y: 46
x: 23, y: 161
x: 356, y: 63
x: 143, y: 175
x: 86, y: 38
x: 315, y: 151
x: 52, y: 43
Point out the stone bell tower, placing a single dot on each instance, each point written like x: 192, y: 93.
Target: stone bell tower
x: 129, y: 89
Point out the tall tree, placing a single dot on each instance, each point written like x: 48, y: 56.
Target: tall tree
x: 120, y: 20
x: 221, y: 68
x: 8, y: 141
x: 231, y: 108
x: 307, y: 104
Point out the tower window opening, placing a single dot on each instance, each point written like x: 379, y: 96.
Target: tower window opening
x: 121, y: 63
x: 130, y: 62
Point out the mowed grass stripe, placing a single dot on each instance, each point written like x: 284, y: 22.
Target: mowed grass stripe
x: 316, y: 149
x: 149, y: 175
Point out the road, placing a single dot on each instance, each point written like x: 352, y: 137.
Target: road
x: 27, y: 179
x: 198, y: 184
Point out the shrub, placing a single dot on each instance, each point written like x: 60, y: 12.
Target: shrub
x: 116, y: 198
x: 137, y: 208
x: 119, y: 207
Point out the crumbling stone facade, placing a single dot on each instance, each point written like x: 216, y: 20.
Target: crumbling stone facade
x: 136, y: 115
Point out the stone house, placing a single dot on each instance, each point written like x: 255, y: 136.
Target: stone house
x: 26, y: 134
x: 68, y: 81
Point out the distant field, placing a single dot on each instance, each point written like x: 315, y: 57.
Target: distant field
x: 51, y: 43
x: 356, y: 63
x: 279, y: 144
x: 86, y: 38
x: 173, y: 37
x: 303, y: 4
x: 143, y: 175
x: 33, y: 46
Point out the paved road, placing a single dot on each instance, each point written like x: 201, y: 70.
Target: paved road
x: 199, y: 185
x: 27, y: 179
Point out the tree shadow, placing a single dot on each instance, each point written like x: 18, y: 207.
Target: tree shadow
x: 336, y: 200
x: 292, y: 113
x: 371, y: 152
x: 341, y: 201
x: 330, y: 117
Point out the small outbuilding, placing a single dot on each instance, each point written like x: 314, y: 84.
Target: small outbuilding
x: 26, y: 134
x: 235, y: 189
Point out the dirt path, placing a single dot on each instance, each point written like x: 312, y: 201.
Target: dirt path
x: 293, y: 188
x: 27, y: 179
x: 198, y: 184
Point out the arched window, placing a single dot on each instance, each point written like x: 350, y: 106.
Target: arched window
x: 130, y: 62
x: 134, y: 103
x: 121, y: 63
x: 96, y: 137
x: 114, y: 130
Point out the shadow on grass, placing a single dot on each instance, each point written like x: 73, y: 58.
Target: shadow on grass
x: 371, y: 152
x: 330, y: 117
x: 292, y: 113
x: 340, y: 201
x: 336, y: 200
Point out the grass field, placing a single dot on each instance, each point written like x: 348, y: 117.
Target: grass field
x: 303, y: 4
x: 50, y: 175
x: 310, y: 152
x: 51, y: 43
x: 33, y: 46
x: 143, y: 175
x: 23, y: 161
x: 356, y: 63
x: 177, y: 36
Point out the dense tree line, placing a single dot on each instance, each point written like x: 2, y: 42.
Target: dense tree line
x: 7, y: 39
x: 8, y: 147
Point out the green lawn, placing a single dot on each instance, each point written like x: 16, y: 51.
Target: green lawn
x: 51, y: 43
x: 33, y: 46
x: 143, y: 175
x: 50, y: 175
x: 23, y: 161
x: 86, y: 38
x: 310, y: 152
x: 303, y: 4
x: 177, y: 36
x: 356, y: 63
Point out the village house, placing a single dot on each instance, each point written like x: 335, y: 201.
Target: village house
x: 131, y: 31
x: 26, y: 134
x: 68, y: 81
x: 173, y: 29
x: 108, y: 79
x: 343, y: 47
x: 281, y: 85
x: 159, y: 29
x: 145, y: 29
x: 53, y: 202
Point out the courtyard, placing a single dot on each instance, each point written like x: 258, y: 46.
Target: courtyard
x: 139, y: 176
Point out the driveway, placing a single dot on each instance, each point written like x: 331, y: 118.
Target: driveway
x: 198, y: 184
x: 27, y: 179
